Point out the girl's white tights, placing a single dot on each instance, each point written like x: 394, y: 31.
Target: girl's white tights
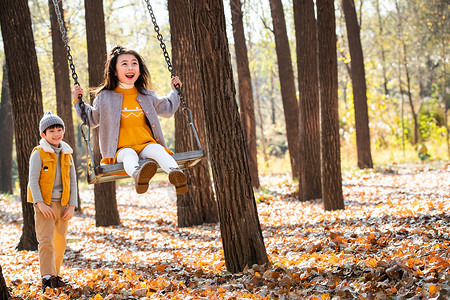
x: 130, y: 158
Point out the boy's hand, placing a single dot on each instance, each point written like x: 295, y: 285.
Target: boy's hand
x: 46, y: 210
x: 68, y: 213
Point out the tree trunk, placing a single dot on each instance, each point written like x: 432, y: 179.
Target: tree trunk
x: 408, y: 77
x: 261, y: 122
x: 6, y: 137
x: 400, y: 88
x: 4, y: 292
x: 390, y: 107
x: 409, y: 93
x: 309, y: 105
x: 245, y: 89
x: 258, y: 109
x: 331, y: 157
x: 106, y: 213
x: 383, y: 52
x: 287, y: 84
x: 197, y: 206
x: 62, y: 82
x: 26, y: 99
x: 272, y: 97
x: 358, y: 76
x: 239, y: 223
x: 445, y: 103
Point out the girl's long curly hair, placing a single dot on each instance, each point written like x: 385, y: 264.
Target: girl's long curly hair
x: 110, y: 79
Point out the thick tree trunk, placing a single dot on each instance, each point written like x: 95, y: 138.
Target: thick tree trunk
x: 331, y: 157
x: 245, y: 89
x: 198, y: 206
x: 4, y: 292
x: 106, y: 213
x: 287, y: 84
x: 26, y: 99
x: 62, y: 82
x: 6, y: 137
x: 309, y: 105
x: 239, y: 224
x: 358, y: 76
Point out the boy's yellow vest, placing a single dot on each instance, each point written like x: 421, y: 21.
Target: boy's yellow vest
x: 48, y: 173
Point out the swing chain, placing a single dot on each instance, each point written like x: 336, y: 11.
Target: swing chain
x: 160, y: 38
x: 69, y: 56
x: 64, y: 38
x: 169, y: 64
x: 84, y: 117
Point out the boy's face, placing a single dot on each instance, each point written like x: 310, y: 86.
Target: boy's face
x: 53, y: 135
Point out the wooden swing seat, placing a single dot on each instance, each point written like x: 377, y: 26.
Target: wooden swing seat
x: 106, y: 173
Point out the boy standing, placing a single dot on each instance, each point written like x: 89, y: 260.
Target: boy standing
x: 52, y: 187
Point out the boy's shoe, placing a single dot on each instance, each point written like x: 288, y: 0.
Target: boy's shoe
x: 179, y: 180
x: 142, y: 176
x: 46, y: 283
x: 57, y: 282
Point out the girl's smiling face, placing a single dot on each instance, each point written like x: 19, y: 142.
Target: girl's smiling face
x: 127, y: 69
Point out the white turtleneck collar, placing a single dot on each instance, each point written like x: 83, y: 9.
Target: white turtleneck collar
x: 125, y: 86
x: 65, y: 148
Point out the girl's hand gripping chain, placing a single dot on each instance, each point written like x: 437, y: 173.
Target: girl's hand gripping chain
x: 76, y: 93
x: 175, y: 82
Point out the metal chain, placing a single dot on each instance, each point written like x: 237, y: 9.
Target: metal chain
x: 187, y: 115
x: 84, y: 117
x: 64, y: 38
x: 69, y: 57
x: 160, y: 38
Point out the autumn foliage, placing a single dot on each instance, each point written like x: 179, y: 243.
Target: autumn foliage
x: 391, y: 242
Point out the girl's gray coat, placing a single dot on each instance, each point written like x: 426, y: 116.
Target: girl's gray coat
x: 107, y: 109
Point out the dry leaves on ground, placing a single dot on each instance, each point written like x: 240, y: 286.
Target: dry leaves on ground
x: 391, y: 242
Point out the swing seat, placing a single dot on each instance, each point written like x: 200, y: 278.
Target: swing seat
x: 107, y: 173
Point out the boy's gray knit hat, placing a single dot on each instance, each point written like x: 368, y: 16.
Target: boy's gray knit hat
x: 48, y: 120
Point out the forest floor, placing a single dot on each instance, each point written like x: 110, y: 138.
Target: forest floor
x: 392, y: 241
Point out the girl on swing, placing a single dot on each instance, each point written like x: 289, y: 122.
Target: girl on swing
x: 126, y: 112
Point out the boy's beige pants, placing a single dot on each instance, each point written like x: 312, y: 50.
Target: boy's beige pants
x: 51, y: 235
